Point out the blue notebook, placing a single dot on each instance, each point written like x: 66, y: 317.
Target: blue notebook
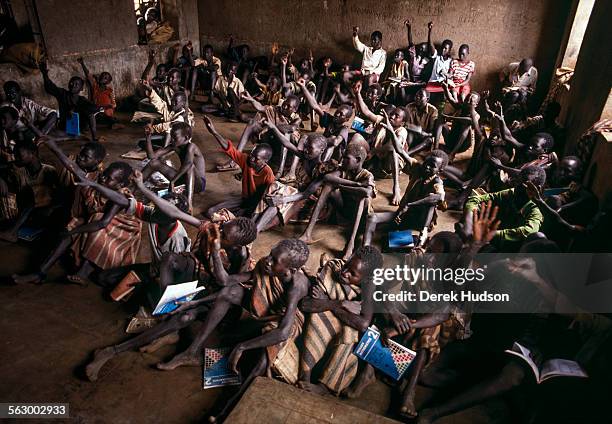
x: 72, y: 124
x: 399, y: 239
x: 554, y: 191
x: 393, y: 360
x: 216, y: 373
x: 29, y: 233
x: 360, y: 125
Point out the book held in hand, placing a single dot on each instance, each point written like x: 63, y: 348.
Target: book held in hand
x: 543, y: 370
x: 174, y: 295
x: 361, y: 126
x: 72, y: 125
x: 393, y: 360
x: 216, y: 372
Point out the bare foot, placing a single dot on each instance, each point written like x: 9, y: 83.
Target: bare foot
x: 183, y: 359
x: 363, y: 380
x: 35, y: 278
x: 168, y: 339
x: 395, y: 200
x: 78, y: 280
x: 10, y: 236
x: 101, y: 356
x: 408, y: 409
x: 319, y: 389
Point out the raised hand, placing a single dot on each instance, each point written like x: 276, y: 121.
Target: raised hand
x: 327, y: 62
x: 208, y: 124
x: 407, y: 22
x: 355, y: 31
x: 80, y: 60
x: 485, y: 222
x: 275, y: 48
x: 532, y: 191
x: 429, y: 25
x: 136, y: 177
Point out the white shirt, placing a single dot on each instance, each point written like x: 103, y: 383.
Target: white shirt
x: 373, y: 61
x: 441, y: 67
x: 30, y: 111
x: 527, y: 81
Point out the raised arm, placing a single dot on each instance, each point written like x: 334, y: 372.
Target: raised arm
x: 257, y: 105
x: 283, y: 71
x: 163, y: 205
x: 211, y: 129
x: 283, y: 138
x: 150, y: 63
x: 61, y: 156
x: 361, y: 104
x: 356, y: 43
x: 430, y: 46
x: 397, y: 146
x: 112, y: 195
x: 310, y: 98
x: 50, y: 87
x: 409, y: 32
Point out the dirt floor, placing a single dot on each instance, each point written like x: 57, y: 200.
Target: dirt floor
x: 50, y: 331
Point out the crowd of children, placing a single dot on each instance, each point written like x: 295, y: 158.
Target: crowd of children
x: 416, y: 113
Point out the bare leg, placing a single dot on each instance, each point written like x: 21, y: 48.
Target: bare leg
x: 157, y: 165
x: 281, y: 167
x: 426, y: 142
x: 325, y: 192
x: 38, y: 277
x: 408, y: 409
x: 264, y: 219
x: 170, y: 325
x: 373, y: 220
x: 10, y: 234
x: 397, y: 194
x: 365, y: 377
x: 92, y: 127
x: 228, y: 204
x: 511, y: 376
x: 350, y: 245
x: 194, y: 80
x: 296, y: 160
x: 228, y: 296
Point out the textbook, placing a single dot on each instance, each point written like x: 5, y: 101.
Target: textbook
x: 543, y: 370
x: 29, y: 233
x: 72, y: 124
x: 359, y: 125
x: 216, y: 373
x: 125, y: 287
x: 393, y: 360
x: 174, y: 293
x: 401, y: 239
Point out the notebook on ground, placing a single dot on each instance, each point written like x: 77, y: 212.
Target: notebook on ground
x: 216, y: 373
x: 393, y: 360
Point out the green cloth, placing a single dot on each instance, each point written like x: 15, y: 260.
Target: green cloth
x: 516, y: 224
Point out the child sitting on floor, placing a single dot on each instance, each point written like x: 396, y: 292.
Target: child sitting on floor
x: 88, y: 164
x: 286, y: 118
x: 69, y: 102
x: 425, y: 191
x: 287, y: 200
x: 175, y: 111
x: 32, y: 184
x: 383, y: 158
x: 193, y: 166
x: 102, y: 95
x: 350, y: 189
x: 395, y: 93
x: 340, y: 306
x: 228, y: 89
x: 256, y: 174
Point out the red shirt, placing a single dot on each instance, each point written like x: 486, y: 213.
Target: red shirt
x: 253, y: 183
